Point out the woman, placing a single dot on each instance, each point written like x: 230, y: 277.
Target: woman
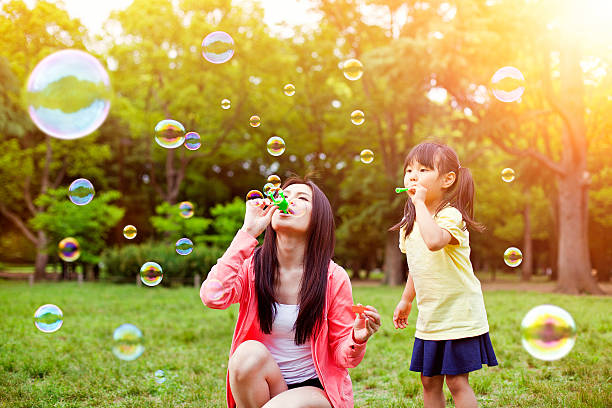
x: 296, y: 334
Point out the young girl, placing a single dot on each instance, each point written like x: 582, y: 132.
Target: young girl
x: 452, y: 332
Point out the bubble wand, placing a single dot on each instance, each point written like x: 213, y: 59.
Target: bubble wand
x: 401, y: 189
x: 281, y: 202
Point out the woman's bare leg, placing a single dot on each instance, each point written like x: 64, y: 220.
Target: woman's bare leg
x: 460, y: 389
x: 433, y: 396
x: 302, y: 397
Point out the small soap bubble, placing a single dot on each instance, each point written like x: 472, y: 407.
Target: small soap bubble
x: 276, y: 146
x: 508, y: 84
x: 69, y: 249
x: 548, y: 332
x: 274, y: 179
x: 513, y: 257
x: 352, y: 69
x: 269, y: 188
x: 366, y: 156
x: 289, y: 89
x: 357, y: 117
x: 186, y: 209
x: 213, y: 289
x: 336, y: 103
x: 192, y: 141
x: 68, y: 94
x: 48, y: 318
x: 160, y: 377
x: 145, y: 178
x: 254, y: 121
x: 507, y: 175
x: 226, y: 104
x: 129, y: 231
x: 255, y: 198
x: 218, y: 47
x: 169, y: 133
x: 127, y: 342
x: 151, y: 273
x: 184, y: 246
x: 81, y: 191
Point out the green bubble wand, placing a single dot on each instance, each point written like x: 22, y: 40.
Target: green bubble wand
x: 401, y: 189
x: 281, y: 202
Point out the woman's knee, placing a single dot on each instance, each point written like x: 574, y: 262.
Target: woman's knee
x: 248, y: 358
x: 456, y: 383
x: 432, y: 383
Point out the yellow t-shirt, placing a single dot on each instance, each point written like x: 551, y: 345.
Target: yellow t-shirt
x: 449, y: 297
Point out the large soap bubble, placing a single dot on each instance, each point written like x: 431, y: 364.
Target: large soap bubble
x: 218, y: 47
x: 548, y: 332
x: 151, y: 273
x: 508, y: 84
x: 169, y: 133
x: 68, y: 94
x: 69, y: 249
x: 127, y: 342
x: 48, y: 318
x: 81, y: 191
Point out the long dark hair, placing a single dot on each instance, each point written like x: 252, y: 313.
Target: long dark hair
x: 460, y: 195
x: 320, y: 242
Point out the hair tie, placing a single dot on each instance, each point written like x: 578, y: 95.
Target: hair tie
x: 458, y: 168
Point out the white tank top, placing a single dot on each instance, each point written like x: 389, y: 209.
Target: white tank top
x: 295, y: 361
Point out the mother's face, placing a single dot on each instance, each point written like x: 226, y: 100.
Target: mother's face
x: 300, y: 197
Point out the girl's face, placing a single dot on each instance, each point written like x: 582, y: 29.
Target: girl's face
x: 431, y: 179
x: 300, y: 197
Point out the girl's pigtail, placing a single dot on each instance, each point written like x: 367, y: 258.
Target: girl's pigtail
x: 463, y: 198
x: 407, y: 220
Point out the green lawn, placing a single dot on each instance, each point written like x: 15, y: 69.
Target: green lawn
x: 74, y: 367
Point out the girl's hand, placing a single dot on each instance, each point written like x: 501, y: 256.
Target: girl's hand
x: 400, y: 316
x: 417, y: 193
x: 366, y: 324
x: 257, y: 217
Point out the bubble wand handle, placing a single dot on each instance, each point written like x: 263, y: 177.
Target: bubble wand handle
x: 282, y: 202
x: 401, y: 189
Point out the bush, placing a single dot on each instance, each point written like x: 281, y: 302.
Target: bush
x: 123, y: 264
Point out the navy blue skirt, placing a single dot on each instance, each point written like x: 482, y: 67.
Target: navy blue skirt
x: 452, y: 357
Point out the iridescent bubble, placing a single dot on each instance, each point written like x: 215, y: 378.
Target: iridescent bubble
x: 508, y: 84
x: 151, y: 273
x: 68, y: 94
x: 274, y: 179
x: 366, y: 156
x: 145, y: 178
x: 507, y: 175
x: 357, y: 117
x: 218, y: 47
x: 127, y: 342
x: 213, y: 289
x: 336, y: 103
x: 513, y: 257
x: 276, y: 146
x: 186, y: 209
x: 48, y: 318
x: 129, y: 231
x: 169, y: 133
x: 226, y: 104
x: 192, y: 141
x: 81, y: 191
x: 160, y: 377
x: 254, y: 121
x: 548, y: 332
x: 352, y: 69
x: 184, y: 246
x: 269, y: 188
x: 69, y: 249
x: 255, y: 198
x: 289, y: 89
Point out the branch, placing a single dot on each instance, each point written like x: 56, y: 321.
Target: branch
x: 60, y: 176
x: 28, y: 196
x: 18, y: 223
x: 48, y: 157
x: 543, y: 159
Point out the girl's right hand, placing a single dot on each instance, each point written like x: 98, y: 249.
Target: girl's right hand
x: 257, y: 217
x: 400, y: 315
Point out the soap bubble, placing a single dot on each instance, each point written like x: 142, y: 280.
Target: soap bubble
x: 127, y: 342
x: 68, y: 94
x: 169, y: 133
x: 357, y: 117
x: 184, y: 246
x: 548, y: 332
x: 507, y: 175
x: 129, y: 231
x: 160, y: 377
x: 186, y: 209
x: 48, y: 318
x: 213, y: 289
x: 81, y: 191
x: 508, y: 84
x: 254, y: 121
x: 226, y: 104
x: 366, y: 156
x: 274, y: 179
x: 513, y: 257
x: 69, y: 249
x: 151, y: 273
x: 352, y: 69
x: 146, y: 178
x: 276, y: 146
x: 289, y: 89
x: 218, y: 47
x: 336, y: 103
x: 192, y: 141
x: 269, y: 188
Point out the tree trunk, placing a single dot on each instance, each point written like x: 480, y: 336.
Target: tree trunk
x: 527, y: 264
x: 393, y: 261
x: 42, y: 257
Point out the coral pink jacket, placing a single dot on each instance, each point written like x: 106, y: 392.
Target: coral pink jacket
x: 333, y: 348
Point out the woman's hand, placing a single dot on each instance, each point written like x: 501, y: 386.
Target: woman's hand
x: 257, y: 217
x: 366, y: 324
x: 400, y: 315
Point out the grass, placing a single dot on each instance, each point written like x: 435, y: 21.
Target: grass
x: 74, y: 367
